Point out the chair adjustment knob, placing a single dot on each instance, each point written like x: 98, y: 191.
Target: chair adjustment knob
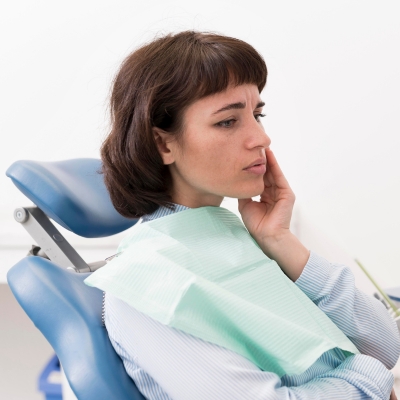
x: 21, y: 215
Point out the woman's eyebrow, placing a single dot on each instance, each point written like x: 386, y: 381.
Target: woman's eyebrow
x: 237, y: 106
x: 232, y: 106
x: 260, y: 104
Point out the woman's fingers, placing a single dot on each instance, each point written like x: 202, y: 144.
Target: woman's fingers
x: 274, y: 174
x: 276, y: 187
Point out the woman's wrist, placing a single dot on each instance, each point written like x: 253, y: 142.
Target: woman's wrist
x: 288, y: 252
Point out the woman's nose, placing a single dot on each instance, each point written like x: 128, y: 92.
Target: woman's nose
x: 266, y: 140
x: 258, y: 136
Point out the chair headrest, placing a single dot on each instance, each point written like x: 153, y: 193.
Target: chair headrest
x: 72, y: 193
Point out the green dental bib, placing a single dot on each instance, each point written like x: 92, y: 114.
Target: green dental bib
x: 200, y: 271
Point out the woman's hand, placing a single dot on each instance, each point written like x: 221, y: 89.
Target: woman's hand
x: 270, y: 217
x: 268, y: 220
x: 393, y: 395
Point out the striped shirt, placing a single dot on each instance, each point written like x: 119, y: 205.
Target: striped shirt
x: 166, y: 363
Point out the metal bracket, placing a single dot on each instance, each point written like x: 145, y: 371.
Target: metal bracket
x: 47, y: 236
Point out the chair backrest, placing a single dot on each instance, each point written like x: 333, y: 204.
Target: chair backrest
x: 68, y: 313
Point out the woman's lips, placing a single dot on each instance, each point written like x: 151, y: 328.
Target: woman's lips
x: 257, y: 169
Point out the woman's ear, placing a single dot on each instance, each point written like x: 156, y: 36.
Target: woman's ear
x: 165, y: 145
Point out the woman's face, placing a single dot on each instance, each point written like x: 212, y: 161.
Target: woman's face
x: 222, y: 136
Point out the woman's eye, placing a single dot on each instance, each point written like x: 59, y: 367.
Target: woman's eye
x: 258, y: 116
x: 227, y: 123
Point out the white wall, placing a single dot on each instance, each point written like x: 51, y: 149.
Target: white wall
x: 332, y: 99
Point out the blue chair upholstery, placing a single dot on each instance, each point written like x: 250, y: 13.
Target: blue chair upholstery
x: 72, y: 193
x: 63, y: 308
x: 68, y: 313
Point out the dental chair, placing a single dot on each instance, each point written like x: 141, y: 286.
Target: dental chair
x: 48, y: 283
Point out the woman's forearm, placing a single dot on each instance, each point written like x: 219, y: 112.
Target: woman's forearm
x: 288, y: 252
x: 362, y: 318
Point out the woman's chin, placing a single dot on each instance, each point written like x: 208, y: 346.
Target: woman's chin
x: 246, y: 194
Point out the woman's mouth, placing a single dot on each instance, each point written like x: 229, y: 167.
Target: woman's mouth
x: 258, y: 166
x: 257, y: 169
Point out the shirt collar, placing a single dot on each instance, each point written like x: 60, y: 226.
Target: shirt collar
x: 163, y: 211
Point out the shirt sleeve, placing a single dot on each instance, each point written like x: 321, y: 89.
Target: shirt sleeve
x: 186, y: 367
x: 362, y: 318
x: 358, y: 377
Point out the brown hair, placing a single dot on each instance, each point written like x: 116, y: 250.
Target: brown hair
x: 153, y: 87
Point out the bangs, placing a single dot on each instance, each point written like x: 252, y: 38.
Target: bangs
x: 221, y: 65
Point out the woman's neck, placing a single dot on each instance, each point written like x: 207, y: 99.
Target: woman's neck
x: 197, y: 201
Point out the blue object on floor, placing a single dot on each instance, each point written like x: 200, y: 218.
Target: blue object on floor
x: 52, y: 391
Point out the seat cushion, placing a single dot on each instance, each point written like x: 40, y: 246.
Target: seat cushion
x: 68, y: 313
x: 72, y: 193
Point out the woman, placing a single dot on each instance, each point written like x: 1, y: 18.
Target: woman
x: 187, y: 132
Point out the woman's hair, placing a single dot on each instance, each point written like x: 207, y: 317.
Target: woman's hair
x: 153, y: 87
